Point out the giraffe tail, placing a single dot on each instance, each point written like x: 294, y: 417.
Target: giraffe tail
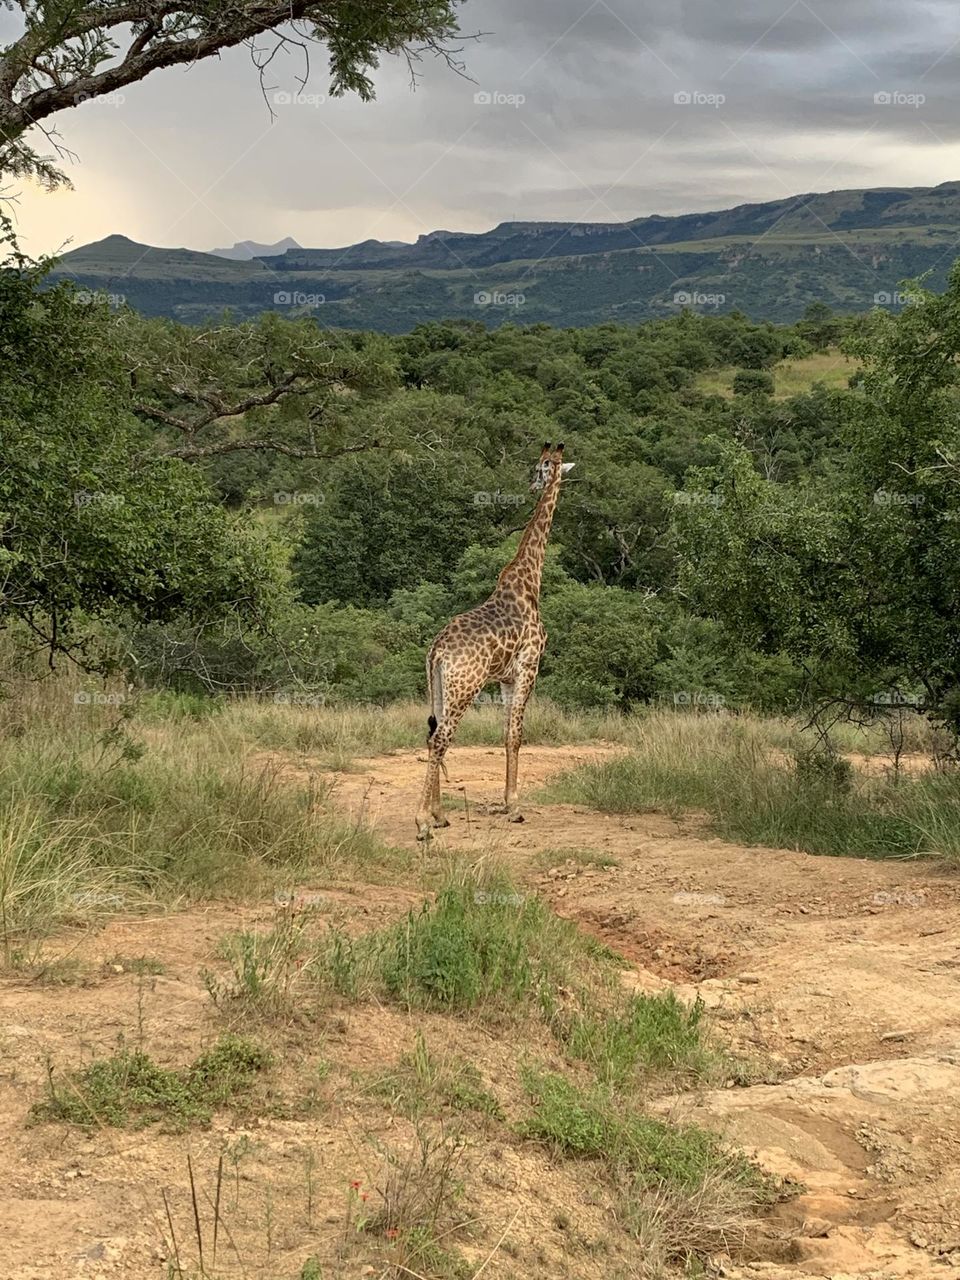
x: 435, y: 692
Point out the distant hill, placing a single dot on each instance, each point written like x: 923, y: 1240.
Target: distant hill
x: 244, y: 250
x: 849, y: 249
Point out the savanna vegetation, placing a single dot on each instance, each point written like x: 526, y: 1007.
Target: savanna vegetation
x: 226, y: 548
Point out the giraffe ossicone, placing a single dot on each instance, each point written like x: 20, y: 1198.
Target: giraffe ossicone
x: 501, y: 640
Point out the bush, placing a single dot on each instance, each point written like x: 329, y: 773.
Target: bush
x: 751, y: 382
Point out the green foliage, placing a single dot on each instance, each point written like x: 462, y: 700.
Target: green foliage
x: 854, y: 573
x: 481, y: 944
x: 594, y: 1122
x: 649, y: 1034
x: 129, y: 1090
x: 423, y: 1083
x: 603, y: 646
x: 748, y: 382
x: 59, y: 54
x: 94, y: 525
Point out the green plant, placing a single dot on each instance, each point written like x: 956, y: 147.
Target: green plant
x: 649, y: 1033
x: 130, y: 1090
x: 265, y: 968
x: 421, y: 1083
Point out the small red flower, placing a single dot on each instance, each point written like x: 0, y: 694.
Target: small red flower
x: 363, y: 1195
x: 391, y: 1233
x: 356, y: 1185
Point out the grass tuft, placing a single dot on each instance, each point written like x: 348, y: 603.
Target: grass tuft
x: 129, y: 1090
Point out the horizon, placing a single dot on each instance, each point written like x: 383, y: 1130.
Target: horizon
x: 253, y: 239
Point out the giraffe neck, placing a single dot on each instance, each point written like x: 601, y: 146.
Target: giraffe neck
x: 526, y: 568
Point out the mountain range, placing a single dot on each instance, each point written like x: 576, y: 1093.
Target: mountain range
x: 850, y: 249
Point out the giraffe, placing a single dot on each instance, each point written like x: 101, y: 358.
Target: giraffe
x: 502, y: 639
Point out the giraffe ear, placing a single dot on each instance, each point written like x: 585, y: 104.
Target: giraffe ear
x: 566, y: 466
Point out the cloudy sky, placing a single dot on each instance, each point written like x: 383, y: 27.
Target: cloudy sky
x: 599, y: 110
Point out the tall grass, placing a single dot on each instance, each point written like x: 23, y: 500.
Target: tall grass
x: 100, y: 814
x: 756, y: 788
x: 370, y: 730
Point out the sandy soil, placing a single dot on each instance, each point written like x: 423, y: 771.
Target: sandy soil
x: 836, y: 980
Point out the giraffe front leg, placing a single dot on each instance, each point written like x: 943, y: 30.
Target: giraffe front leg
x: 515, y: 704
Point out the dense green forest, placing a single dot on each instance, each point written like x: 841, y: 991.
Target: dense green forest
x: 271, y: 506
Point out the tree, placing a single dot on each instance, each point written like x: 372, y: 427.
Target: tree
x: 856, y: 574
x: 750, y: 382
x: 94, y: 528
x: 70, y: 51
x: 291, y: 384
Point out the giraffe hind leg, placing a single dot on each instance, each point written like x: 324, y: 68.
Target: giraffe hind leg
x: 430, y: 813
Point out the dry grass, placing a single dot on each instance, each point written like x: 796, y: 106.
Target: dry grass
x: 790, y: 377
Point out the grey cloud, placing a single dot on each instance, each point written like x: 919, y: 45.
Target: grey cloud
x: 599, y: 118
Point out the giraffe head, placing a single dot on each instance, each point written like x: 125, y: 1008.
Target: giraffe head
x: 551, y: 457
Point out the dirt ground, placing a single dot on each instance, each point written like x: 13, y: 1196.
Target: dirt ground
x: 837, y: 981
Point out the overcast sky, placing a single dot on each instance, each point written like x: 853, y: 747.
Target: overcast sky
x: 582, y: 123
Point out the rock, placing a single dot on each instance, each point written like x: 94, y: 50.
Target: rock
x: 889, y: 1036
x: 815, y: 1227
x: 748, y: 979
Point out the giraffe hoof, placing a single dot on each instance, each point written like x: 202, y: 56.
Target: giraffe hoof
x: 516, y: 817
x: 440, y: 822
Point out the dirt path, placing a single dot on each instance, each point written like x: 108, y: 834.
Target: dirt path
x: 836, y: 980
x: 839, y: 977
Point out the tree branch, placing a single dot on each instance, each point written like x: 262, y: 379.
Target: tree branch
x: 191, y: 453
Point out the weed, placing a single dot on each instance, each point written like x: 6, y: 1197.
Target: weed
x: 650, y: 1033
x: 752, y: 796
x: 265, y: 968
x: 422, y: 1083
x: 129, y: 1090
x: 594, y: 1122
